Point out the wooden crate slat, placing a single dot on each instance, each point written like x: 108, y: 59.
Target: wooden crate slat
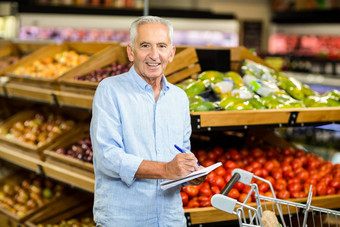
x: 73, y: 99
x: 27, y: 160
x: 327, y: 114
x: 29, y: 92
x: 69, y: 177
x: 181, y: 75
x: 243, y: 117
x: 108, y: 56
x: 182, y: 60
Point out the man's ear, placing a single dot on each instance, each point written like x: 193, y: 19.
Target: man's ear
x: 172, y: 54
x: 130, y: 54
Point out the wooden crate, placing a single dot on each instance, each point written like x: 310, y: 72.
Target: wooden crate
x: 82, y: 210
x: 184, y: 65
x: 16, y: 179
x: 238, y: 54
x: 21, y: 49
x: 72, y: 205
x: 66, y: 142
x: 91, y: 49
x: 22, y: 116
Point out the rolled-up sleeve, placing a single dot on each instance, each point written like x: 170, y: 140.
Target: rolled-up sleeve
x: 106, y: 135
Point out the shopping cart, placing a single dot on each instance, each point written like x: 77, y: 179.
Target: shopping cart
x: 271, y: 211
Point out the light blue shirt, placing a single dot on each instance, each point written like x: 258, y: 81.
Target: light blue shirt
x: 127, y: 127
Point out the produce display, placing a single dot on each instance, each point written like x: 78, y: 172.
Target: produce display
x: 52, y: 67
x: 7, y: 60
x: 26, y: 195
x: 37, y: 130
x: 291, y: 171
x: 257, y: 87
x: 83, y: 222
x: 81, y: 150
x: 100, y: 74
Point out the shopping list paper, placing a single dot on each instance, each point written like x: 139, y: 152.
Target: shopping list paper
x: 199, y: 173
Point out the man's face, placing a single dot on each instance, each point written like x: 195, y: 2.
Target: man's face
x: 152, y: 50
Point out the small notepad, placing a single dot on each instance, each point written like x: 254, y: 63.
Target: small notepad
x: 199, y: 173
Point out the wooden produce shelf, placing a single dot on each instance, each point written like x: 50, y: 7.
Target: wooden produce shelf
x: 26, y: 91
x: 211, y: 214
x: 70, y: 175
x: 21, y: 157
x: 73, y: 99
x: 277, y: 118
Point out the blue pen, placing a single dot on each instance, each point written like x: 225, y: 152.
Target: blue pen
x: 178, y: 148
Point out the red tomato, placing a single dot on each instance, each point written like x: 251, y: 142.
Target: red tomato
x: 249, y: 168
x: 244, y: 152
x: 193, y: 203
x: 256, y: 164
x: 269, y: 194
x: 234, y: 154
x: 335, y: 183
x: 294, y: 187
x: 211, y: 177
x: 289, y: 174
x: 288, y: 159
x: 288, y: 151
x: 263, y: 187
x: 303, y: 175
x: 280, y: 185
x: 270, y: 179
x: 202, y: 198
x: 276, y: 174
x: 269, y: 165
x: 243, y: 197
x: 215, y: 190
x: 234, y: 193
x: 246, y: 189
x: 206, y: 203
x: 185, y: 198
x: 330, y: 190
x: 227, y: 177
x: 284, y: 194
x: 202, y: 152
x: 208, y: 162
x: 307, y: 188
x: 202, y: 158
x: 299, y: 153
x: 222, y: 159
x: 205, y: 191
x: 265, y: 173
x: 239, y: 186
x: 221, y: 171
x: 219, y: 182
x: 262, y: 160
x: 257, y: 152
x: 327, y: 179
x: 212, y: 156
x: 218, y: 151
x: 271, y: 153
x: 230, y: 164
x: 286, y: 166
x: 191, y: 190
x: 311, y: 181
x: 321, y: 189
x: 296, y: 163
x: 258, y: 172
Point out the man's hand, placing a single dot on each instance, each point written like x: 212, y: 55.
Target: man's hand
x: 181, y: 166
x: 198, y: 180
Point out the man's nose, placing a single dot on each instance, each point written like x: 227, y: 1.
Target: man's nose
x: 154, y: 53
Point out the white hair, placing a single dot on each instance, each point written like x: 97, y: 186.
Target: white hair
x: 148, y: 19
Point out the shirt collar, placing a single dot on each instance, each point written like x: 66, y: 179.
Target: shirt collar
x: 144, y: 85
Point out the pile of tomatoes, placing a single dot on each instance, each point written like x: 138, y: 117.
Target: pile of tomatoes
x: 291, y: 172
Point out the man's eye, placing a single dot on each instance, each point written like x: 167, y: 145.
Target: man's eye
x: 162, y: 46
x: 144, y: 45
